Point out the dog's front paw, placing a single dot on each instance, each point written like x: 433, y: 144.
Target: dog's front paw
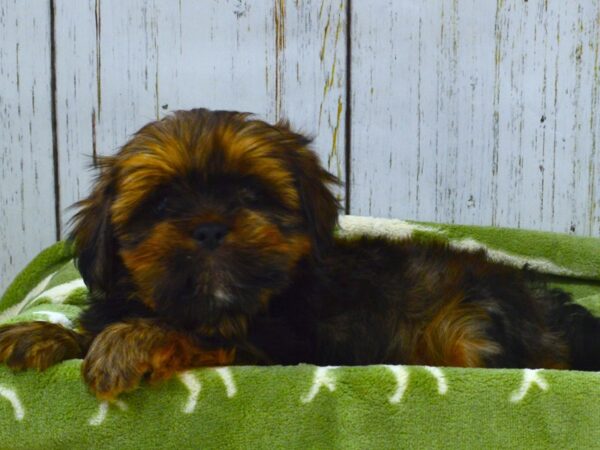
x: 38, y: 345
x: 124, y: 353
x: 108, y: 372
x: 120, y: 356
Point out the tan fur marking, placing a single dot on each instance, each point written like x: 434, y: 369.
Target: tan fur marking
x: 253, y: 230
x: 146, y: 261
x: 123, y: 353
x: 166, y: 150
x: 455, y: 336
x: 38, y: 345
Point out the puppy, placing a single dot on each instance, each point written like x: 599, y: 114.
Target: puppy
x: 209, y: 240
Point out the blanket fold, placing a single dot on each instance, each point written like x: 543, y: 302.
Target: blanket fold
x: 307, y: 406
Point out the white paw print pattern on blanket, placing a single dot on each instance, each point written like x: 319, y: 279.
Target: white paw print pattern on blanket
x: 324, y: 378
x: 13, y: 398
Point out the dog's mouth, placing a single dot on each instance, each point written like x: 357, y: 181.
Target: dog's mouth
x: 203, y: 292
x: 210, y: 288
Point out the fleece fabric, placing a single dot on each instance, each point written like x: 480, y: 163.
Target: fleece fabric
x: 307, y: 406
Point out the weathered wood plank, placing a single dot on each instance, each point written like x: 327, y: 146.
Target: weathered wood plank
x: 78, y: 98
x: 121, y: 64
x: 477, y: 112
x: 547, y: 98
x: 26, y: 164
x: 311, y: 74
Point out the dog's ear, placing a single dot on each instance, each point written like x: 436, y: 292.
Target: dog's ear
x: 319, y: 205
x: 93, y: 235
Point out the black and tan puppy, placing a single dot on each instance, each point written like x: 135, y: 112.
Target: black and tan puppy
x: 208, y: 240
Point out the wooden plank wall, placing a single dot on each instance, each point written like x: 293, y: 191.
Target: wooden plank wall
x: 445, y: 110
x: 481, y: 113
x: 27, y: 191
x: 122, y: 64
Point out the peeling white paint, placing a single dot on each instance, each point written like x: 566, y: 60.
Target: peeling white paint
x: 471, y: 112
x: 26, y: 164
x: 460, y: 112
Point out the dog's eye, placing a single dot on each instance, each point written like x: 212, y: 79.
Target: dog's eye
x: 160, y: 208
x: 248, y: 197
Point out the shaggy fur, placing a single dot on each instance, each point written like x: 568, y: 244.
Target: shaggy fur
x: 208, y: 239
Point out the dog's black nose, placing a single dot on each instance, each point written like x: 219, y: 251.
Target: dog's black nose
x: 210, y: 235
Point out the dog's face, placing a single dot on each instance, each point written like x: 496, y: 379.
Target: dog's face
x: 203, y: 216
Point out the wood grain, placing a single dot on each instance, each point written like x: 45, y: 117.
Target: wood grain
x: 122, y: 64
x: 26, y: 167
x: 311, y: 75
x: 460, y: 111
x: 477, y: 112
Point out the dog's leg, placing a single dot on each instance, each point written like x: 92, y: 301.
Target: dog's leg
x: 578, y: 326
x: 38, y: 345
x: 456, y: 336
x: 124, y: 352
x: 465, y: 334
x: 582, y: 331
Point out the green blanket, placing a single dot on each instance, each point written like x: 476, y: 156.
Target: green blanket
x: 306, y: 406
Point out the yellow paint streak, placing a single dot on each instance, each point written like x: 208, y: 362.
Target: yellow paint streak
x: 279, y: 18
x: 280, y: 25
x: 325, y: 33
x: 321, y: 9
x: 338, y: 29
x: 334, y: 153
x: 329, y: 82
